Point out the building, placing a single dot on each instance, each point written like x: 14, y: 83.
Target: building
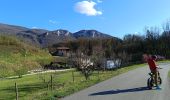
x: 61, y: 51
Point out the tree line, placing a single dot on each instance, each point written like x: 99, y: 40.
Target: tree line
x: 128, y: 50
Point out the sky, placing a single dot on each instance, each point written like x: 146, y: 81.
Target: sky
x: 113, y: 17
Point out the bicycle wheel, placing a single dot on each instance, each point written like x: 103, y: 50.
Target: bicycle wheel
x: 150, y: 83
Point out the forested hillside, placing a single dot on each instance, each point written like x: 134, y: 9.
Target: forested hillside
x: 129, y: 49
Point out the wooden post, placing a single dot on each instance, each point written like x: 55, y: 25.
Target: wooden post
x: 98, y: 75
x: 73, y: 76
x: 51, y: 82
x: 16, y: 91
x: 47, y: 86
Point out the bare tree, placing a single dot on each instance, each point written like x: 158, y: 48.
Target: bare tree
x: 83, y: 63
x: 98, y: 57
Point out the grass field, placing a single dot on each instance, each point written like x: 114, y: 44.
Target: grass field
x: 17, y: 57
x: 37, y: 87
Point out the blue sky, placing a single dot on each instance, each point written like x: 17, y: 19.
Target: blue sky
x: 114, y: 17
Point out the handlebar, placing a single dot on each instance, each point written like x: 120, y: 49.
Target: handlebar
x: 159, y: 68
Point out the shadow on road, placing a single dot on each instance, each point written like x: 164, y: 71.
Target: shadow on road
x: 120, y: 91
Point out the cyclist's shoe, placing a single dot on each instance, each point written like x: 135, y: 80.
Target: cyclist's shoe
x: 158, y: 87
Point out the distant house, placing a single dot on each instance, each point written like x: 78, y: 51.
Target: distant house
x: 111, y: 64
x: 61, y: 51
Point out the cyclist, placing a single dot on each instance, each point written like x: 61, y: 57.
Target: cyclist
x: 152, y: 65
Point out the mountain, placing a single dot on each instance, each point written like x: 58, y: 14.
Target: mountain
x: 52, y: 37
x: 90, y: 34
x: 11, y: 29
x: 31, y: 35
x: 46, y: 38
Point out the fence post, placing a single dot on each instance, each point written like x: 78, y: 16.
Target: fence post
x: 16, y: 91
x: 73, y: 76
x: 98, y: 75
x: 51, y: 82
x: 48, y: 86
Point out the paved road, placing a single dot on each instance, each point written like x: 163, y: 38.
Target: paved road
x: 127, y: 86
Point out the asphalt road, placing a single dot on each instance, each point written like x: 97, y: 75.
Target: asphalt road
x: 127, y: 86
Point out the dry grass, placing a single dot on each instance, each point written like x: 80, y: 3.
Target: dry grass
x: 16, y: 55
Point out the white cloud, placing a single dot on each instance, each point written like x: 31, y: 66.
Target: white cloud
x: 52, y: 22
x: 99, y: 1
x: 87, y: 8
x: 34, y: 27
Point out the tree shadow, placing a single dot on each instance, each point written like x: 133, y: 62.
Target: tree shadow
x: 24, y: 89
x: 117, y: 91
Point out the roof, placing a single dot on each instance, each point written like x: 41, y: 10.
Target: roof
x: 63, y: 48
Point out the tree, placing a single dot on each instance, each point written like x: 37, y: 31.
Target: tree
x: 83, y: 63
x: 98, y: 56
x: 20, y: 70
x: 152, y: 36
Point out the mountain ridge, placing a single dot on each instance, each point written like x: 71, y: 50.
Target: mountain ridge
x: 46, y: 38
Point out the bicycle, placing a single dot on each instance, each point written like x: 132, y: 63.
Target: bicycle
x: 151, y: 80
